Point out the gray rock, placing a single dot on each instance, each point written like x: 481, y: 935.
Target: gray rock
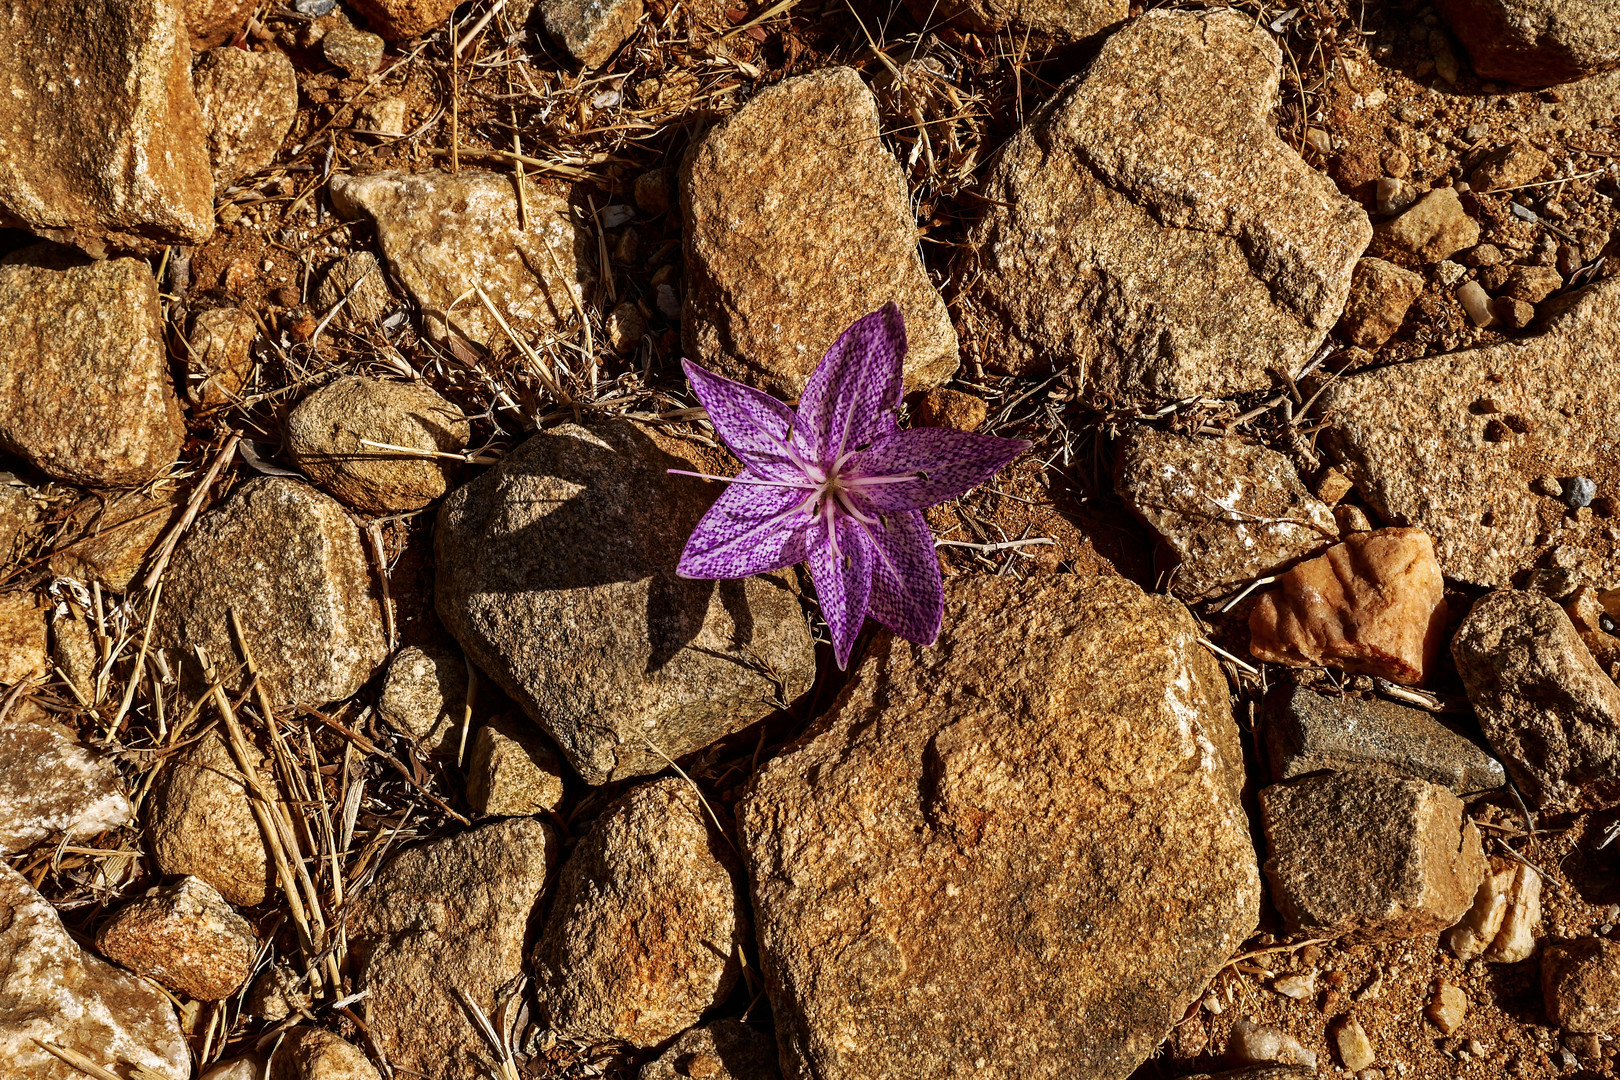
x: 796, y: 222
x: 199, y: 822
x: 248, y: 102
x: 186, y: 937
x: 324, y: 438
x: 312, y: 1054
x: 50, y: 786
x: 52, y: 990
x: 556, y: 573
x: 85, y: 394
x: 289, y: 562
x: 1225, y: 511
x: 591, y: 30
x: 1547, y: 708
x: 1046, y: 23
x: 1537, y: 42
x: 512, y: 770
x: 647, y: 925
x: 1159, y: 238
x: 1365, y: 854
x: 424, y: 695
x: 723, y: 1050
x: 446, y: 916
x: 947, y: 867
x: 1305, y: 732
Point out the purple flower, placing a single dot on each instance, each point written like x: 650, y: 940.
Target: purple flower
x: 836, y: 483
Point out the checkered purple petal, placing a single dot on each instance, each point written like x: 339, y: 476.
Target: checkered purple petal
x: 856, y: 385
x: 907, y: 594
x: 944, y: 462
x: 745, y: 532
x: 753, y: 425
x: 843, y: 577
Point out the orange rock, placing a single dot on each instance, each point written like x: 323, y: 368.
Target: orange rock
x: 1373, y: 604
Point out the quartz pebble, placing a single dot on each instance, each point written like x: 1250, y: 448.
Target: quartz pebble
x: 1477, y: 302
x: 1350, y: 1043
x: 1435, y: 227
x: 1251, y: 1043
x: 1447, y: 1008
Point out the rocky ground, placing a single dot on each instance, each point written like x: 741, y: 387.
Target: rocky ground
x: 356, y: 723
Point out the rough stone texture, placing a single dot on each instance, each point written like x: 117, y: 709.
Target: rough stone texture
x: 74, y: 652
x: 18, y: 513
x: 591, y: 30
x: 277, y: 994
x: 1510, y: 166
x: 1380, y: 857
x: 1580, y: 984
x: 649, y: 917
x: 1374, y: 604
x: 22, y: 637
x: 1047, y: 23
x: 102, y: 142
x: 50, y: 785
x: 314, y: 1054
x: 50, y: 989
x: 357, y: 52
x: 1350, y: 1044
x: 511, y: 770
x: 199, y: 822
x: 1536, y: 42
x: 1261, y: 1072
x: 1380, y: 294
x: 185, y: 936
x: 1501, y: 922
x: 397, y: 20
x: 1532, y: 284
x: 288, y: 560
x: 323, y: 437
x: 947, y: 868
x: 424, y: 695
x: 1435, y: 228
x: 213, y: 22
x: 118, y: 538
x: 1225, y: 511
x: 448, y: 915
x: 248, y: 102
x: 85, y: 393
x: 944, y: 407
x: 796, y: 223
x: 218, y: 362
x: 723, y: 1050
x: 1305, y: 732
x: 1547, y: 708
x: 1149, y: 228
x: 556, y: 573
x: 442, y: 235
x: 1452, y: 444
x: 358, y: 277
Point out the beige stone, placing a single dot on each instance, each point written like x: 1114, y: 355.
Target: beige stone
x: 397, y: 20
x: 218, y: 361
x: 591, y: 30
x: 947, y: 868
x: 796, y: 223
x: 248, y: 101
x: 50, y: 786
x: 1537, y: 42
x: 214, y: 22
x: 357, y: 282
x: 943, y: 407
x: 357, y: 52
x: 1516, y: 940
x: 199, y: 822
x: 1509, y: 166
x: 1580, y: 984
x: 313, y: 1054
x: 1447, y: 1008
x: 1479, y: 927
x: 1433, y: 229
x: 1350, y: 1043
x: 512, y: 771
x: 185, y: 936
x: 22, y: 637
x: 424, y: 695
x: 1045, y: 23
x: 1532, y: 284
x: 118, y: 535
x: 1380, y: 294
x: 1374, y: 604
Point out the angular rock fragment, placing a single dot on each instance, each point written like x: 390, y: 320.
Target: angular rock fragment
x: 355, y: 51
x: 796, y: 222
x: 117, y: 538
x: 1548, y: 709
x: 647, y: 924
x: 1532, y: 284
x: 248, y: 102
x: 55, y: 992
x: 1225, y: 511
x: 1305, y: 732
x: 199, y: 822
x: 1380, y: 294
x: 50, y: 786
x: 103, y: 143
x: 218, y: 361
x: 397, y: 20
x: 313, y: 1054
x: 329, y: 435
x: 511, y: 771
x: 1265, y: 1072
x: 1435, y: 228
x: 22, y: 637
x: 1157, y: 237
x: 1447, y: 1008
x: 944, y: 407
x: 1374, y: 604
x: 442, y: 920
x: 85, y: 394
x: 890, y: 849
x: 288, y: 561
x: 1509, y: 166
x: 186, y: 937
x: 1501, y: 922
x: 1350, y: 1043
x: 444, y: 234
x: 424, y: 695
x: 1536, y: 42
x: 556, y: 573
x: 723, y: 1050
x: 1452, y: 443
x: 591, y: 30
x: 1263, y: 1044
x: 1580, y: 984
x: 357, y: 282
x: 1045, y: 23
x: 1379, y: 857
x: 242, y: 1068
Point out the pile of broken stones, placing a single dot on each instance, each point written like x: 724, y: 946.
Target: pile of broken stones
x: 1331, y: 790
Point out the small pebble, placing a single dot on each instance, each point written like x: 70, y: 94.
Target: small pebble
x: 1548, y: 486
x: 1447, y: 1008
x: 1350, y: 1044
x: 1512, y: 311
x: 1298, y: 987
x: 1483, y: 255
x: 1578, y: 491
x: 1394, y: 195
x: 1477, y: 302
x: 1319, y: 140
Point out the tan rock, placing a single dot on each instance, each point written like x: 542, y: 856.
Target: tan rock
x: 796, y: 223
x: 591, y: 30
x: 1516, y: 940
x: 22, y: 637
x: 55, y: 992
x: 242, y: 1068
x: 75, y: 654
x: 1225, y: 511
x: 1380, y: 294
x: 1159, y: 238
x: 1482, y: 923
x: 722, y: 1050
x: 1374, y: 604
x: 647, y: 924
x: 891, y: 849
x: 444, y: 917
x: 386, y: 116
x: 313, y: 1054
x: 18, y: 513
x: 1045, y: 23
x: 214, y: 22
x: 278, y: 993
x: 327, y: 437
x: 358, y: 282
x: 511, y: 771
x: 1532, y: 284
x: 117, y: 537
x: 103, y: 143
x: 248, y: 101
x: 1350, y: 1043
x: 1580, y: 984
x: 1435, y: 228
x: 942, y: 407
x: 1270, y: 1052
x: 442, y: 235
x: 50, y: 786
x: 199, y: 822
x: 1453, y: 443
x: 397, y: 20
x: 1509, y: 166
x: 424, y: 695
x: 85, y: 393
x: 1374, y: 856
x: 1537, y: 42
x: 357, y: 52
x: 186, y: 937
x: 289, y: 562
x: 218, y: 363
x: 1447, y: 1008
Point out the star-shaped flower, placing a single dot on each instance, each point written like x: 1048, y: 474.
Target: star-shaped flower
x: 836, y: 483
